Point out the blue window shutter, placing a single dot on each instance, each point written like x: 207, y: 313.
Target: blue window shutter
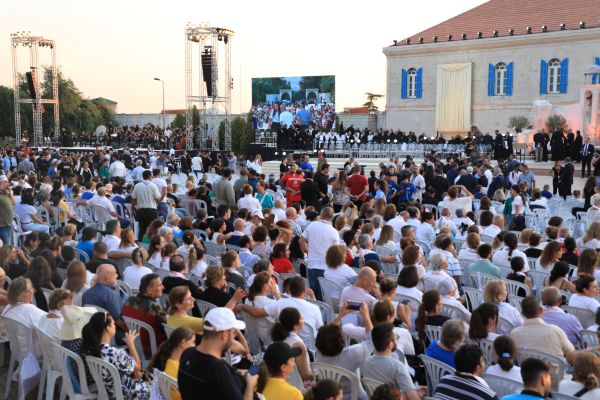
x: 419, y: 83
x: 595, y: 77
x: 491, y: 74
x: 543, y: 77
x: 564, y: 75
x: 509, y: 78
x: 404, y: 83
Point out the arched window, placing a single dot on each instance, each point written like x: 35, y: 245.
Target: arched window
x: 412, y: 83
x: 554, y: 76
x: 500, y: 79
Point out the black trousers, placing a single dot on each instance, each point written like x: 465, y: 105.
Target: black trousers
x: 145, y: 216
x: 586, y: 162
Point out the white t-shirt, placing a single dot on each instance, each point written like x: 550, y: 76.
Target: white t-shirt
x: 263, y: 324
x: 24, y: 212
x: 197, y: 163
x: 517, y: 201
x: 570, y: 387
x: 397, y: 223
x: 311, y: 313
x: 112, y: 242
x: 425, y: 233
x: 466, y: 253
x: 403, y: 337
x: 514, y: 374
x: 465, y: 203
x: 491, y: 230
x: 161, y: 184
x: 581, y: 301
x: 343, y: 275
x: 500, y: 258
x: 133, y: 274
x: 320, y: 236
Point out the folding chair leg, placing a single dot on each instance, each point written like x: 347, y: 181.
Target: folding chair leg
x: 11, y: 367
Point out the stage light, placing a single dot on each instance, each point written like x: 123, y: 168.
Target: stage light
x: 352, y: 142
x: 395, y: 140
x: 358, y: 141
x: 276, y: 153
x: 528, y: 29
x: 582, y: 25
x: 563, y: 27
x: 511, y: 31
x: 388, y: 140
x: 544, y: 28
x: 315, y: 150
x: 284, y: 153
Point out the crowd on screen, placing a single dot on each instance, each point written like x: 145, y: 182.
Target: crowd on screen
x: 257, y: 283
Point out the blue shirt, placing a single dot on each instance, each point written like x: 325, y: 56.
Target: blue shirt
x: 305, y: 166
x: 435, y: 351
x: 304, y: 116
x: 546, y: 193
x: 409, y: 191
x: 87, y: 247
x: 525, y: 395
x: 392, y: 187
x: 103, y: 296
x: 87, y: 195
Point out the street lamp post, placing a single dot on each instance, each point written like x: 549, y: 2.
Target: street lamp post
x: 163, y: 98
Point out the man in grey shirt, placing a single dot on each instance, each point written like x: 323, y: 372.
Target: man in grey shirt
x: 382, y: 367
x: 528, y: 177
x: 224, y: 190
x: 240, y: 182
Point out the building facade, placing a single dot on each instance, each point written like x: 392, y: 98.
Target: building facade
x: 438, y: 81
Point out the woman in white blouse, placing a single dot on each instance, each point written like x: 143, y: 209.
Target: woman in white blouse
x: 469, y: 252
x: 337, y: 271
x: 495, y: 292
x: 256, y: 165
x: 258, y: 296
x: 133, y: 274
x: 502, y: 257
x: 249, y: 202
x: 587, y: 293
x: 591, y: 238
x: 505, y: 367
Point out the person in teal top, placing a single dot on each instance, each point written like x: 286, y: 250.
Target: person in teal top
x: 484, y: 251
x: 537, y: 381
x: 265, y: 199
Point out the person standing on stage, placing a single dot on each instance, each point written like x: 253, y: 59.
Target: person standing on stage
x: 587, y: 151
x: 144, y: 202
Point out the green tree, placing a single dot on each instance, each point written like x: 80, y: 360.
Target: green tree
x: 370, y: 103
x: 327, y: 85
x: 555, y: 123
x: 7, y: 112
x: 179, y: 121
x: 263, y: 86
x: 518, y: 123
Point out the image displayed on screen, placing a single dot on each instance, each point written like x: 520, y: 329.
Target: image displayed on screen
x: 309, y: 99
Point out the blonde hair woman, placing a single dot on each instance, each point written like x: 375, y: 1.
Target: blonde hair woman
x: 76, y: 281
x: 591, y: 238
x: 338, y: 189
x: 495, y: 292
x: 128, y: 243
x: 68, y: 235
x: 350, y: 212
x: 386, y: 238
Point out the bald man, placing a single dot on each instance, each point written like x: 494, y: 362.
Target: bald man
x: 101, y: 201
x: 239, y: 226
x: 360, y: 292
x: 104, y: 294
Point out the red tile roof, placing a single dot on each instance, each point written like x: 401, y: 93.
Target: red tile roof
x: 502, y: 15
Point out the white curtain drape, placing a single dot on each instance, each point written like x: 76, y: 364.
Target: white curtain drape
x: 453, y: 102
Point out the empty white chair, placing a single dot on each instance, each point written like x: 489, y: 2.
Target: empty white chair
x: 51, y: 370
x: 17, y: 335
x: 167, y: 384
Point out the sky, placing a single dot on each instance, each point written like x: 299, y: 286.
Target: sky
x: 114, y: 49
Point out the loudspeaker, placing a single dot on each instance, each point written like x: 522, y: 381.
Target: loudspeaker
x: 207, y: 58
x: 31, y: 82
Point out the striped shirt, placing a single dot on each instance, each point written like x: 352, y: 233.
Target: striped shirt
x: 463, y: 386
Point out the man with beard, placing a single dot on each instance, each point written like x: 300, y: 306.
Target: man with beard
x: 202, y: 370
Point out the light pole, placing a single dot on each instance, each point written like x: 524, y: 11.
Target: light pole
x: 163, y: 110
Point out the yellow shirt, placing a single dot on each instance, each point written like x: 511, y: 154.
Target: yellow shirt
x: 279, y: 389
x: 171, y: 369
x: 178, y: 321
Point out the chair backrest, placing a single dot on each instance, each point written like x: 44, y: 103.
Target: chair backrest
x: 59, y: 214
x: 557, y: 364
x: 586, y: 317
x: 20, y: 337
x: 537, y: 277
x: 163, y: 273
x: 514, y: 286
x: 119, y: 209
x: 330, y: 291
x: 47, y: 293
x: 123, y: 289
x: 532, y: 261
x: 326, y: 371
x: 307, y: 333
x: 45, y: 340
x: 454, y: 312
x: 515, y: 301
x: 480, y: 279
x: 370, y: 385
x: 487, y: 239
x: 213, y: 249
x: 588, y: 338
x: 487, y: 347
x: 434, y: 370
x: 167, y: 384
x: 474, y: 297
x: 211, y: 260
x: 251, y: 333
x: 168, y: 329
x: 100, y: 309
x: 502, y: 386
x: 233, y: 247
x: 67, y: 360
x: 433, y: 332
x: 504, y: 326
x: 560, y: 396
x: 204, y: 306
x: 139, y: 326
x: 432, y: 208
x: 326, y: 311
x: 200, y: 234
x: 99, y: 368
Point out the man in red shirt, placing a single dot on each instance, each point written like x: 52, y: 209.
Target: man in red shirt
x: 292, y: 181
x: 358, y: 186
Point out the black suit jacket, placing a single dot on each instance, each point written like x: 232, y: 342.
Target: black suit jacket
x: 566, y: 174
x: 468, y: 181
x: 170, y: 282
x: 590, y: 150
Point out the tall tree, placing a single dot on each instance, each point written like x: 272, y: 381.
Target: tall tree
x: 370, y: 103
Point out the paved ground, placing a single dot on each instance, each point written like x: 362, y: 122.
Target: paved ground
x: 13, y: 392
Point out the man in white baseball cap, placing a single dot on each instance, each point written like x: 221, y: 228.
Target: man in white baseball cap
x: 202, y: 369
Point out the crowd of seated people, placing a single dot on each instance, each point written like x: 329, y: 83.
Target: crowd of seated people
x: 381, y: 276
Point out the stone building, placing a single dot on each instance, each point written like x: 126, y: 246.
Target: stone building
x: 496, y: 61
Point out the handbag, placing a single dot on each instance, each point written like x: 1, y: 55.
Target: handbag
x: 30, y: 372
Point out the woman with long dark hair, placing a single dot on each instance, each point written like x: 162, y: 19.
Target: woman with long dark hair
x: 97, y: 336
x: 505, y: 367
x: 483, y: 322
x: 429, y: 312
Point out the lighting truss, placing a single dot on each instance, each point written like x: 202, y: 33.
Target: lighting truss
x: 218, y: 41
x: 33, y: 43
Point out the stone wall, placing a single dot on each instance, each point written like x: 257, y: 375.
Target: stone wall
x: 488, y: 112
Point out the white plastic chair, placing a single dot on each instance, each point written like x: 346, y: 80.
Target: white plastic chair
x: 166, y: 384
x: 326, y: 371
x: 586, y: 317
x: 474, y: 297
x: 454, y: 312
x: 139, y: 326
x: 433, y: 332
x: 84, y: 257
x: 168, y: 329
x: 213, y: 249
x: 504, y: 326
x: 326, y: 311
x: 435, y: 370
x: 328, y: 288
x: 514, y: 286
x: 204, y: 306
x: 480, y: 279
x: 557, y: 364
x: 370, y: 385
x: 16, y: 333
x: 98, y: 368
x: 502, y: 386
x: 67, y: 358
x: 17, y: 231
x: 51, y: 370
x: 589, y: 338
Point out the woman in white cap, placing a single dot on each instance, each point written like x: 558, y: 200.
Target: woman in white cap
x: 97, y: 336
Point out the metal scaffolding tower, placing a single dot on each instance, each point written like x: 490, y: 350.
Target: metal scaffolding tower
x: 25, y: 39
x: 214, y: 84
